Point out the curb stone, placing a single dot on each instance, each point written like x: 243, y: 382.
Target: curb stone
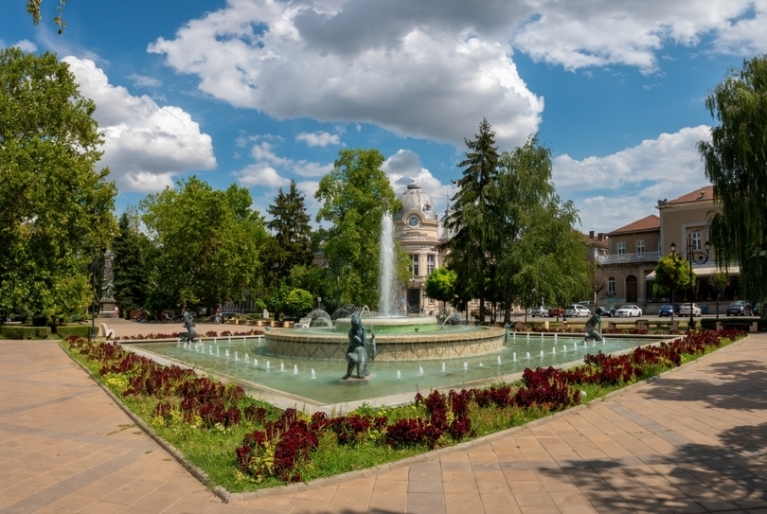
x: 196, y: 472
x: 229, y: 497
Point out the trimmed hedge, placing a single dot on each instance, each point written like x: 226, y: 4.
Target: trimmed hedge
x: 741, y: 323
x: 65, y: 331
x: 24, y: 332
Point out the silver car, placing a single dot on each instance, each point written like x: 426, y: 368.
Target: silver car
x: 684, y: 309
x: 577, y: 311
x: 628, y: 311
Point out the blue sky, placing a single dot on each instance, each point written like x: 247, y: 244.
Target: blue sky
x: 259, y: 92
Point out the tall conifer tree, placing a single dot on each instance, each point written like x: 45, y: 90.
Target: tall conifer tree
x: 470, y: 221
x: 291, y: 241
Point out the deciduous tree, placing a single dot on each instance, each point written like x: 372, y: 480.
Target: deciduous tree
x: 355, y: 196
x: 736, y: 164
x: 55, y: 206
x: 209, y: 242
x: 671, y: 273
x: 440, y: 285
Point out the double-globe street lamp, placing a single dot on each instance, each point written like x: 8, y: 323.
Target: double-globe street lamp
x: 694, y: 255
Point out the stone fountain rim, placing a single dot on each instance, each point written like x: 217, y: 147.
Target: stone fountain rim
x: 393, y: 321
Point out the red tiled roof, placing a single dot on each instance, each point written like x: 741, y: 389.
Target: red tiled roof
x: 702, y: 194
x: 651, y: 222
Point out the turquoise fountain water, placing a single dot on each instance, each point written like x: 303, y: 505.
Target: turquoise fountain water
x: 318, y: 382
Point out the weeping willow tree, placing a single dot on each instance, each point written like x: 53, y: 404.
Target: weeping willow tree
x: 736, y: 164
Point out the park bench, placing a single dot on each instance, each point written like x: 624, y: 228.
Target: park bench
x: 108, y: 333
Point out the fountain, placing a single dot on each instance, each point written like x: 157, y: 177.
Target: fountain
x: 406, y: 346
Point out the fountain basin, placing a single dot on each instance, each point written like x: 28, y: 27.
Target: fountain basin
x: 317, y: 381
x: 383, y: 325
x: 450, y: 342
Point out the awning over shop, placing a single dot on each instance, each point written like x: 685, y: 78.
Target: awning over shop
x: 706, y: 271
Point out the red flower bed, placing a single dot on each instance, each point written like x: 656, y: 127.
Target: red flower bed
x: 174, y: 335
x: 285, y: 445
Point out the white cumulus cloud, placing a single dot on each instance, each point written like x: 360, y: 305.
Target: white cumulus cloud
x: 404, y: 167
x: 321, y: 138
x: 144, y: 81
x: 145, y: 145
x: 418, y: 70
x: 435, y: 68
x: 270, y: 170
x: 627, y: 185
x: 26, y: 45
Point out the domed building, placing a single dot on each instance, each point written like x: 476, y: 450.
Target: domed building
x: 419, y: 231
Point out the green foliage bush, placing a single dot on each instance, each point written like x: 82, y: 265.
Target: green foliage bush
x: 742, y: 323
x: 65, y: 331
x: 24, y: 332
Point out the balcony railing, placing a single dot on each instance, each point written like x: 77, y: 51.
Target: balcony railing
x: 616, y: 258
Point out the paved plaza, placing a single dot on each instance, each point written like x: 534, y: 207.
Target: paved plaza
x: 694, y: 440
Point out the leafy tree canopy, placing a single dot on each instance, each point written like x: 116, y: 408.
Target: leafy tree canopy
x: 672, y: 273
x: 736, y: 164
x: 208, y: 242
x: 541, y: 255
x: 440, y: 285
x: 34, y: 8
x: 55, y: 207
x: 355, y: 196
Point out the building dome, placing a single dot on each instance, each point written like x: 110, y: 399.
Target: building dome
x: 414, y: 199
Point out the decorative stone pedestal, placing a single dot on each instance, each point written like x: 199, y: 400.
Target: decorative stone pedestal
x: 353, y: 379
x: 107, y: 309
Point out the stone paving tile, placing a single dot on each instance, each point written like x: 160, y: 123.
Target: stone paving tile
x: 689, y: 442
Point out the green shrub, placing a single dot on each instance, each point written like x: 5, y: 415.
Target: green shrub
x: 741, y: 323
x: 24, y: 332
x: 65, y: 331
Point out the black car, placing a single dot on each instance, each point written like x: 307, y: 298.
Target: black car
x: 739, y: 308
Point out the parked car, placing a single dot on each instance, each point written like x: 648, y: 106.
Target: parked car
x: 667, y: 309
x: 627, y: 311
x: 739, y: 308
x: 576, y: 311
x: 684, y: 310
x: 540, y: 312
x: 757, y: 309
x: 556, y: 311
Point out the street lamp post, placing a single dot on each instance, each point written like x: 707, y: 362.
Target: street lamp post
x: 698, y: 257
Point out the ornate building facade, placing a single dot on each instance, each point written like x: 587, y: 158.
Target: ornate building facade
x: 419, y: 231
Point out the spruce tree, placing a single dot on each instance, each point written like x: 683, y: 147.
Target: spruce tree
x: 291, y: 235
x: 471, y: 247
x: 132, y: 251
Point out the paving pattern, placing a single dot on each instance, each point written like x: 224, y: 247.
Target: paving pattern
x: 693, y: 441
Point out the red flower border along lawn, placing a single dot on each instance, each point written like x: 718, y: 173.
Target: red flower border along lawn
x: 244, y: 444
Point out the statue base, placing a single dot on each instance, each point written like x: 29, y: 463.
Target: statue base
x: 107, y: 309
x: 352, y: 379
